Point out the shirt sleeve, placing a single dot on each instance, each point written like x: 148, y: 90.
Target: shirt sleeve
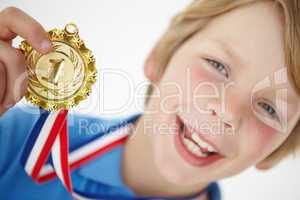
x: 15, y: 127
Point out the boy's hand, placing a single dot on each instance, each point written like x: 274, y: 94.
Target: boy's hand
x: 13, y: 78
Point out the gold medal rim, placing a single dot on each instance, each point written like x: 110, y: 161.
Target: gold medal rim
x: 74, y: 41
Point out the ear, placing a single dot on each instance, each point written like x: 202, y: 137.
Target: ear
x: 152, y: 65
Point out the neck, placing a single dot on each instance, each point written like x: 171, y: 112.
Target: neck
x: 139, y: 172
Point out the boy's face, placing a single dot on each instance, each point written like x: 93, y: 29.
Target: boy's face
x: 228, y: 90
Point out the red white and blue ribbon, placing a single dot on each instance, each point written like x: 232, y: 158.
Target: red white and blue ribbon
x: 50, y: 137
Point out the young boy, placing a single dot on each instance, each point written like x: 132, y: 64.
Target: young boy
x: 221, y: 101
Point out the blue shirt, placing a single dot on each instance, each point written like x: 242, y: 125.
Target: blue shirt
x: 100, y: 178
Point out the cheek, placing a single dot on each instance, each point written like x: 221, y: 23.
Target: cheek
x: 261, y: 140
x: 199, y: 74
x: 265, y: 134
x: 200, y: 87
x: 180, y: 84
x: 185, y: 73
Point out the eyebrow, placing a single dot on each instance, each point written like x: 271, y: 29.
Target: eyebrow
x: 230, y: 52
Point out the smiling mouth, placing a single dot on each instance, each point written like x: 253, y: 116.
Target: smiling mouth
x: 193, y: 148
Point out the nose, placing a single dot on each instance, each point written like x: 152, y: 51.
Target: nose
x: 230, y: 115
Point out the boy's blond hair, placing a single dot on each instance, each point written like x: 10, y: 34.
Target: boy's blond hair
x: 200, y: 12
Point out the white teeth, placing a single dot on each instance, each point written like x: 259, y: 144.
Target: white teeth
x: 202, y: 143
x: 193, y: 148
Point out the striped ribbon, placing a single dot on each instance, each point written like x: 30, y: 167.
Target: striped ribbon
x: 49, y: 136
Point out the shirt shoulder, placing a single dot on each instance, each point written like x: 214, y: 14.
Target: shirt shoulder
x: 15, y: 126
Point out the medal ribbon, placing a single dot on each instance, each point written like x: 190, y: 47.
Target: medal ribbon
x: 48, y: 137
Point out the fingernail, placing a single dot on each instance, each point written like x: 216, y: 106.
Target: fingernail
x: 46, y: 45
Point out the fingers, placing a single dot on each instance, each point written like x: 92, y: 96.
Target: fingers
x: 2, y: 81
x: 14, y: 22
x: 15, y: 77
x: 2, y: 87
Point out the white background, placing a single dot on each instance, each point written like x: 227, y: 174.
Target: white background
x: 121, y: 33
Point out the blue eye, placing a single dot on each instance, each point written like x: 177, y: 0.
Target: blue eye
x: 269, y: 109
x: 219, y: 67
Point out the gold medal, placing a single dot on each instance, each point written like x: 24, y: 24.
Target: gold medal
x: 63, y: 77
